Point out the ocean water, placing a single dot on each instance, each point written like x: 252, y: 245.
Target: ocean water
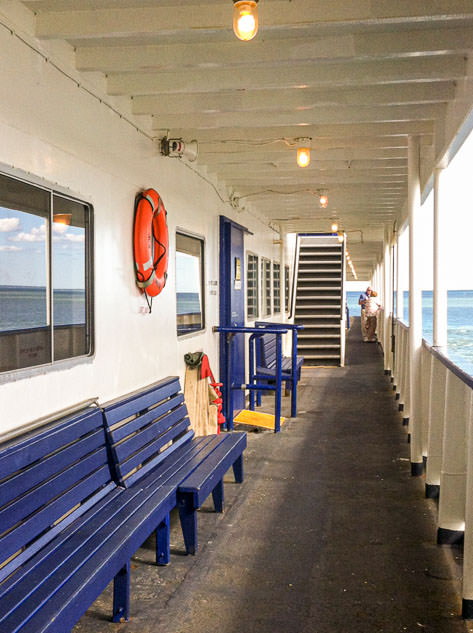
x: 460, y: 322
x: 24, y: 307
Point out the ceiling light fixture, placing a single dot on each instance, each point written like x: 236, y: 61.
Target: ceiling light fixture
x: 323, y: 199
x: 245, y: 19
x: 334, y: 227
x: 303, y: 156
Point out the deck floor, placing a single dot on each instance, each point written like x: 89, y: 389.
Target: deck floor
x: 328, y: 534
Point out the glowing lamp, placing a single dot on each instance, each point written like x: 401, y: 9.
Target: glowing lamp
x: 323, y: 200
x: 303, y: 156
x: 334, y: 227
x: 245, y: 19
x: 340, y: 237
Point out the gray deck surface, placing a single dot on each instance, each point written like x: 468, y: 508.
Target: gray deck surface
x: 328, y: 534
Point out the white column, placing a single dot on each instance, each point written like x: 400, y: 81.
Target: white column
x: 415, y: 304
x: 387, y: 298
x: 440, y: 254
x: 399, y: 289
x: 282, y: 270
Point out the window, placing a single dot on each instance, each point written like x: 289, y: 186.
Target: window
x: 45, y: 276
x: 252, y: 289
x: 286, y: 286
x: 276, y: 287
x: 189, y: 284
x: 266, y: 285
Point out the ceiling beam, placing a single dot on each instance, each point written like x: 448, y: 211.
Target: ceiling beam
x: 283, y: 99
x: 343, y: 130
x: 147, y: 57
x: 321, y: 115
x: 354, y: 74
x: 276, y: 14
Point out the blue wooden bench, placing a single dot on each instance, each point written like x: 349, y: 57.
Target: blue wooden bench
x: 66, y: 528
x: 264, y: 368
x: 153, y: 447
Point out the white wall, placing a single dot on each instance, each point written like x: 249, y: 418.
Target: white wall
x: 55, y: 130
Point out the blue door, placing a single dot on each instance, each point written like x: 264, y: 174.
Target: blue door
x: 232, y: 301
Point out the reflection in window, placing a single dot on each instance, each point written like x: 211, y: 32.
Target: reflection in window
x: 252, y: 287
x: 44, y: 276
x: 266, y: 285
x: 189, y: 284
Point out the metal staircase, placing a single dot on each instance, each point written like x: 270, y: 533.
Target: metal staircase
x: 319, y: 299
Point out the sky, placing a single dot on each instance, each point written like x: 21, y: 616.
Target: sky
x: 23, y: 251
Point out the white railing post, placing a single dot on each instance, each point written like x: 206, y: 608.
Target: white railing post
x: 387, y: 304
x: 436, y: 414
x: 440, y: 265
x: 415, y: 304
x: 426, y: 366
x: 467, y: 606
x: 452, y: 499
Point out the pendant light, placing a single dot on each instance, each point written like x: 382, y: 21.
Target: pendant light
x: 245, y: 19
x: 303, y: 156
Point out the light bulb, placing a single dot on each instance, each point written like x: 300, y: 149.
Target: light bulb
x: 303, y: 156
x: 334, y: 227
x: 340, y: 237
x: 323, y: 201
x: 245, y: 19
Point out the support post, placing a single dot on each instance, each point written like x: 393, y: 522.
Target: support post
x: 387, y: 303
x: 399, y: 289
x: 440, y: 280
x: 415, y: 304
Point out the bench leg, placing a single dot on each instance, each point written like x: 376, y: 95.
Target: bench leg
x: 294, y: 401
x: 217, y: 495
x: 238, y: 469
x: 121, y: 595
x: 188, y: 516
x: 163, y: 553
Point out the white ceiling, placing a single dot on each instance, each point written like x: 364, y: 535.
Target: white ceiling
x: 356, y: 76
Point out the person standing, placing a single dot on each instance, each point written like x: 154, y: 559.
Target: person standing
x: 362, y: 302
x: 371, y: 316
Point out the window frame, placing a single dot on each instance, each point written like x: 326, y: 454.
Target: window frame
x: 54, y: 189
x: 253, y: 317
x: 201, y: 239
x: 278, y: 265
x: 266, y: 299
x: 287, y: 286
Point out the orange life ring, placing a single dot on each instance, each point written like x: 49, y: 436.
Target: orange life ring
x: 150, y: 242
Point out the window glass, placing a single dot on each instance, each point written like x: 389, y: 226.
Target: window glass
x: 189, y: 284
x: 252, y: 287
x: 276, y: 287
x: 69, y: 247
x: 266, y: 285
x: 35, y: 256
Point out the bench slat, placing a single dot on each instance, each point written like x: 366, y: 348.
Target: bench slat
x: 23, y: 563
x: 47, y: 515
x: 84, y: 584
x: 42, y: 494
x: 144, y: 419
x: 141, y: 400
x: 19, y: 454
x: 40, y: 471
x: 157, y: 459
x: 72, y: 545
x: 130, y: 446
x: 206, y: 476
x: 175, y: 470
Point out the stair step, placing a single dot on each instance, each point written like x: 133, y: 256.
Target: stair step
x: 321, y: 357
x: 317, y: 347
x: 318, y: 306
